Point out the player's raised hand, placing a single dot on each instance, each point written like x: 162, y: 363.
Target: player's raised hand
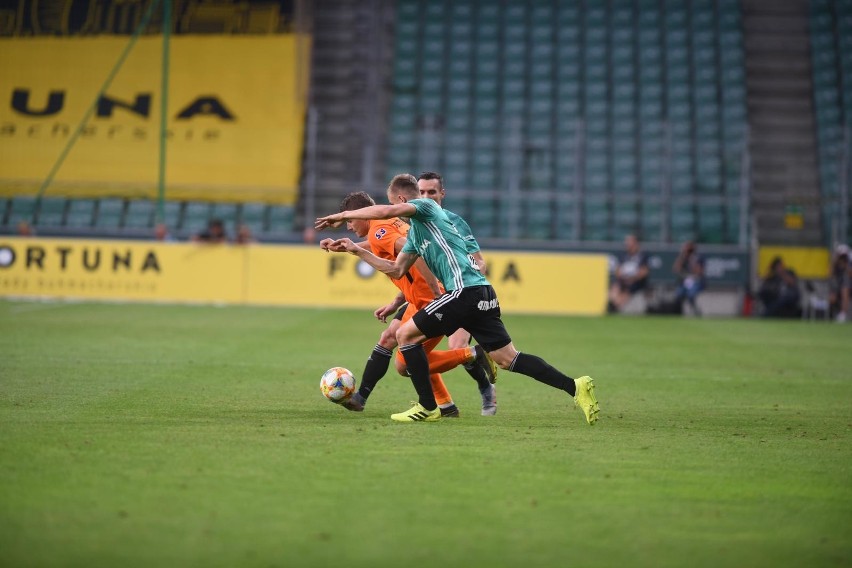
x: 324, y: 244
x: 329, y: 221
x: 383, y: 312
x: 343, y: 245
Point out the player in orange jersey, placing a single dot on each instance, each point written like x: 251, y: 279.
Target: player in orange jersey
x: 417, y: 288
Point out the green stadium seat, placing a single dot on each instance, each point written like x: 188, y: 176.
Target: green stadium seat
x: 81, y: 213
x: 651, y: 223
x: 483, y: 217
x: 23, y: 208
x: 140, y: 214
x: 51, y: 212
x: 281, y: 218
x: 538, y: 220
x: 626, y: 217
x: 5, y: 206
x: 711, y: 223
x: 196, y: 214
x: 565, y: 221
x: 596, y: 223
x: 173, y: 214
x: 227, y: 212
x: 253, y: 215
x: 110, y: 213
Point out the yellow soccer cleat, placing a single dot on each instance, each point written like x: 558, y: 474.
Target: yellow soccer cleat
x: 585, y: 399
x: 417, y: 414
x: 484, y: 360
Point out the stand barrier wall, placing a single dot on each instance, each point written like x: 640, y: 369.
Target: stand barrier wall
x: 280, y: 275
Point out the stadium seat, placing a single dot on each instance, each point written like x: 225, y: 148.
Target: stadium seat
x: 173, y: 214
x: 227, y: 212
x: 81, y: 213
x: 51, y: 212
x: 596, y: 221
x: 711, y: 224
x: 140, y: 214
x: 482, y: 218
x: 253, y: 215
x: 281, y: 218
x: 196, y: 214
x: 23, y: 208
x: 538, y: 219
x: 566, y: 221
x: 110, y: 213
x: 651, y: 222
x: 5, y: 205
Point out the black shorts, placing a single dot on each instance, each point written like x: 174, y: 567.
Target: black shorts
x: 476, y: 309
x: 401, y: 311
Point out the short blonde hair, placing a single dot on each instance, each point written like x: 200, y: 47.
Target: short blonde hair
x: 404, y: 184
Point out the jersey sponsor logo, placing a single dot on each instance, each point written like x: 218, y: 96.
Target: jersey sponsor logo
x: 485, y: 305
x: 380, y: 233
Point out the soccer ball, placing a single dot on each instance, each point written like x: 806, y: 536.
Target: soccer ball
x: 337, y: 384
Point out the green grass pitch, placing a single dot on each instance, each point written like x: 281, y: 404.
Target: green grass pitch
x: 138, y: 435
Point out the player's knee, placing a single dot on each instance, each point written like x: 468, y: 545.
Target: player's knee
x: 388, y: 341
x: 403, y: 337
x: 504, y: 357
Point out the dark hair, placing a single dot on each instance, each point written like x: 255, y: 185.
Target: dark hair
x: 432, y: 175
x: 774, y: 264
x: 356, y: 200
x: 406, y: 184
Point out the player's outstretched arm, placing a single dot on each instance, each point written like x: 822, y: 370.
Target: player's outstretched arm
x: 393, y: 269
x: 372, y: 212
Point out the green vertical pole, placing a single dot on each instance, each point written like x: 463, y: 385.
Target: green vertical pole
x: 91, y: 110
x: 164, y: 111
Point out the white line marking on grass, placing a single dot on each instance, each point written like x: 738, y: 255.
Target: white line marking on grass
x: 35, y: 307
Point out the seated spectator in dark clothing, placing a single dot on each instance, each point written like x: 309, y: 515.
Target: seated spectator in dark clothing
x: 840, y: 284
x: 779, y: 292
x: 689, y: 266
x: 630, y: 276
x: 214, y: 233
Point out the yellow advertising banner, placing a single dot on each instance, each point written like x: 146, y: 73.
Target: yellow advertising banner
x: 235, y: 116
x: 285, y: 275
x: 808, y: 262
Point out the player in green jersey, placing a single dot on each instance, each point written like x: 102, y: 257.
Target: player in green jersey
x: 431, y: 185
x: 469, y: 302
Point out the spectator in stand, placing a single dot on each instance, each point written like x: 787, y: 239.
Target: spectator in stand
x: 25, y: 229
x: 689, y: 266
x: 244, y: 235
x: 161, y: 233
x: 840, y: 284
x: 630, y: 276
x: 214, y: 233
x: 779, y: 292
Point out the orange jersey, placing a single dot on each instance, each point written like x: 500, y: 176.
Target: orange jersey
x: 383, y: 236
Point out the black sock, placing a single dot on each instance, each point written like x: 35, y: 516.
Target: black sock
x: 477, y: 373
x: 418, y: 369
x: 377, y: 366
x: 542, y: 371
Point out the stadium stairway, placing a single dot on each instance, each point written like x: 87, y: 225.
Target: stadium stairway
x: 350, y: 64
x: 781, y: 119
